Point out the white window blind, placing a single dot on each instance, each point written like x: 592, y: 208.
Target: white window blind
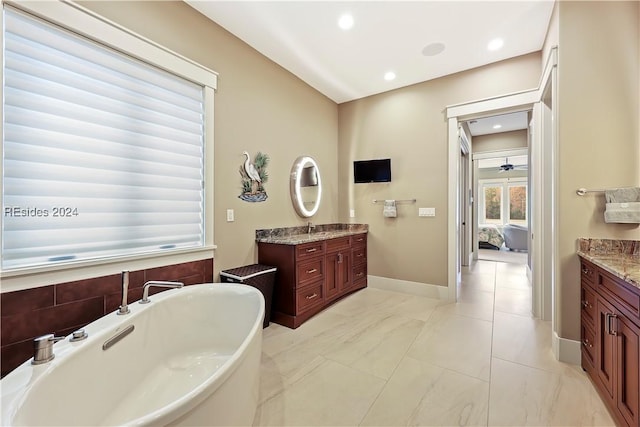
x: 102, y: 153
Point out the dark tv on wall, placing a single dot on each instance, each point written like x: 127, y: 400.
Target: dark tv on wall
x: 378, y: 170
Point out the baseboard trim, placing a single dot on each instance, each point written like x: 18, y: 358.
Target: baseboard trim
x: 567, y: 351
x: 408, y: 287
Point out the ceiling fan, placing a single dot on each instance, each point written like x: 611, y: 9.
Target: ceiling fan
x: 506, y: 166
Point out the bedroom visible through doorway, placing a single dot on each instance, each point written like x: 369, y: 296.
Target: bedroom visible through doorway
x: 502, y: 215
x: 501, y: 187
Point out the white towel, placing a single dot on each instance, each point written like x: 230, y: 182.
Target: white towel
x: 626, y: 213
x: 390, y: 210
x: 622, y: 195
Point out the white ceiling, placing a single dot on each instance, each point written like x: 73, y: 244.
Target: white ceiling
x: 495, y: 163
x: 303, y: 37
x: 498, y: 124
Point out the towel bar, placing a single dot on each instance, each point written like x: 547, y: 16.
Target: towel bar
x: 583, y: 191
x: 397, y: 201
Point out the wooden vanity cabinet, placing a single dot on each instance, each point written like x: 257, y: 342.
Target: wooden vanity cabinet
x: 311, y: 276
x: 359, y: 261
x: 610, y: 324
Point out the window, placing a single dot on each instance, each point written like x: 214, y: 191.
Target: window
x: 517, y: 203
x: 493, y: 204
x: 103, y: 151
x: 503, y: 201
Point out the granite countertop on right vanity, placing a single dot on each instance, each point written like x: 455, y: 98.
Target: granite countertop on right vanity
x: 619, y: 257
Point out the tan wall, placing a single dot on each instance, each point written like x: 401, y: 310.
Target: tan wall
x: 500, y: 141
x: 599, y: 140
x: 408, y: 125
x: 259, y: 106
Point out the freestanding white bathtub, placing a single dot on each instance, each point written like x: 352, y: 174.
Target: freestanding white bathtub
x: 193, y: 358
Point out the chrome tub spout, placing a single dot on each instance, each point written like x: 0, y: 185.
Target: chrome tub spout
x: 157, y: 284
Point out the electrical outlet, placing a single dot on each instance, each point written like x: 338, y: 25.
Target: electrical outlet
x: 352, y: 213
x: 230, y: 215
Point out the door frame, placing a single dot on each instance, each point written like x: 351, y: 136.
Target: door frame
x: 521, y: 101
x: 544, y: 239
x: 465, y: 246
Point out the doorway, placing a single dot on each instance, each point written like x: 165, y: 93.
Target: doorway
x: 543, y: 247
x: 501, y: 179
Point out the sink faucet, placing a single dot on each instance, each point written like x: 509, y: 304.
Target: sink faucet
x: 310, y: 227
x: 43, y: 349
x: 157, y: 284
x: 124, y: 307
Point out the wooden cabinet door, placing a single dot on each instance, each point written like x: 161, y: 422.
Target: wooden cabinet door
x: 332, y: 280
x: 346, y: 271
x: 339, y: 275
x: 627, y: 366
x: 605, y: 349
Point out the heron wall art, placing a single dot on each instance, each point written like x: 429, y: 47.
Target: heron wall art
x: 254, y: 176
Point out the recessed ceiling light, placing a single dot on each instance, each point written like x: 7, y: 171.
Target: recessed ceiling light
x: 497, y: 126
x: 495, y: 44
x: 346, y: 21
x: 433, y: 49
x: 389, y: 75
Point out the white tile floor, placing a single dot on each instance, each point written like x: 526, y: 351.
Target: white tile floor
x: 380, y: 358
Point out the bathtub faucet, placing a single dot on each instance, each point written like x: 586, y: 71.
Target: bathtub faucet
x: 124, y: 308
x: 157, y: 284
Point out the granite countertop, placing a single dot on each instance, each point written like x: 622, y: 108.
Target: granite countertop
x: 619, y: 257
x: 300, y: 235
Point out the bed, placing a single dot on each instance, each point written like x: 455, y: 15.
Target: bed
x: 490, y: 237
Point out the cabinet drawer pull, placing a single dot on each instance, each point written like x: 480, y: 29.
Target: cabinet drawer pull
x: 585, y: 271
x: 360, y: 255
x: 613, y: 331
x: 608, y: 328
x: 586, y: 343
x: 586, y: 304
x: 361, y: 239
x: 312, y: 296
x: 312, y: 250
x: 360, y: 274
x: 313, y: 270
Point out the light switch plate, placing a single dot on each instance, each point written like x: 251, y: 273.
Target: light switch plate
x: 230, y: 215
x: 426, y: 211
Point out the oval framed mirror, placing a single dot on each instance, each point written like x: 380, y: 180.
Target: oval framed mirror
x: 305, y: 186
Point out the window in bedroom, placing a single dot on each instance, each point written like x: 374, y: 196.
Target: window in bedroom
x: 103, y: 152
x: 517, y: 204
x: 503, y: 201
x: 492, y: 204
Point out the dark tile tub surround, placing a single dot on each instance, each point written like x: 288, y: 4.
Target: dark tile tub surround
x: 64, y: 307
x: 619, y: 257
x: 297, y: 235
